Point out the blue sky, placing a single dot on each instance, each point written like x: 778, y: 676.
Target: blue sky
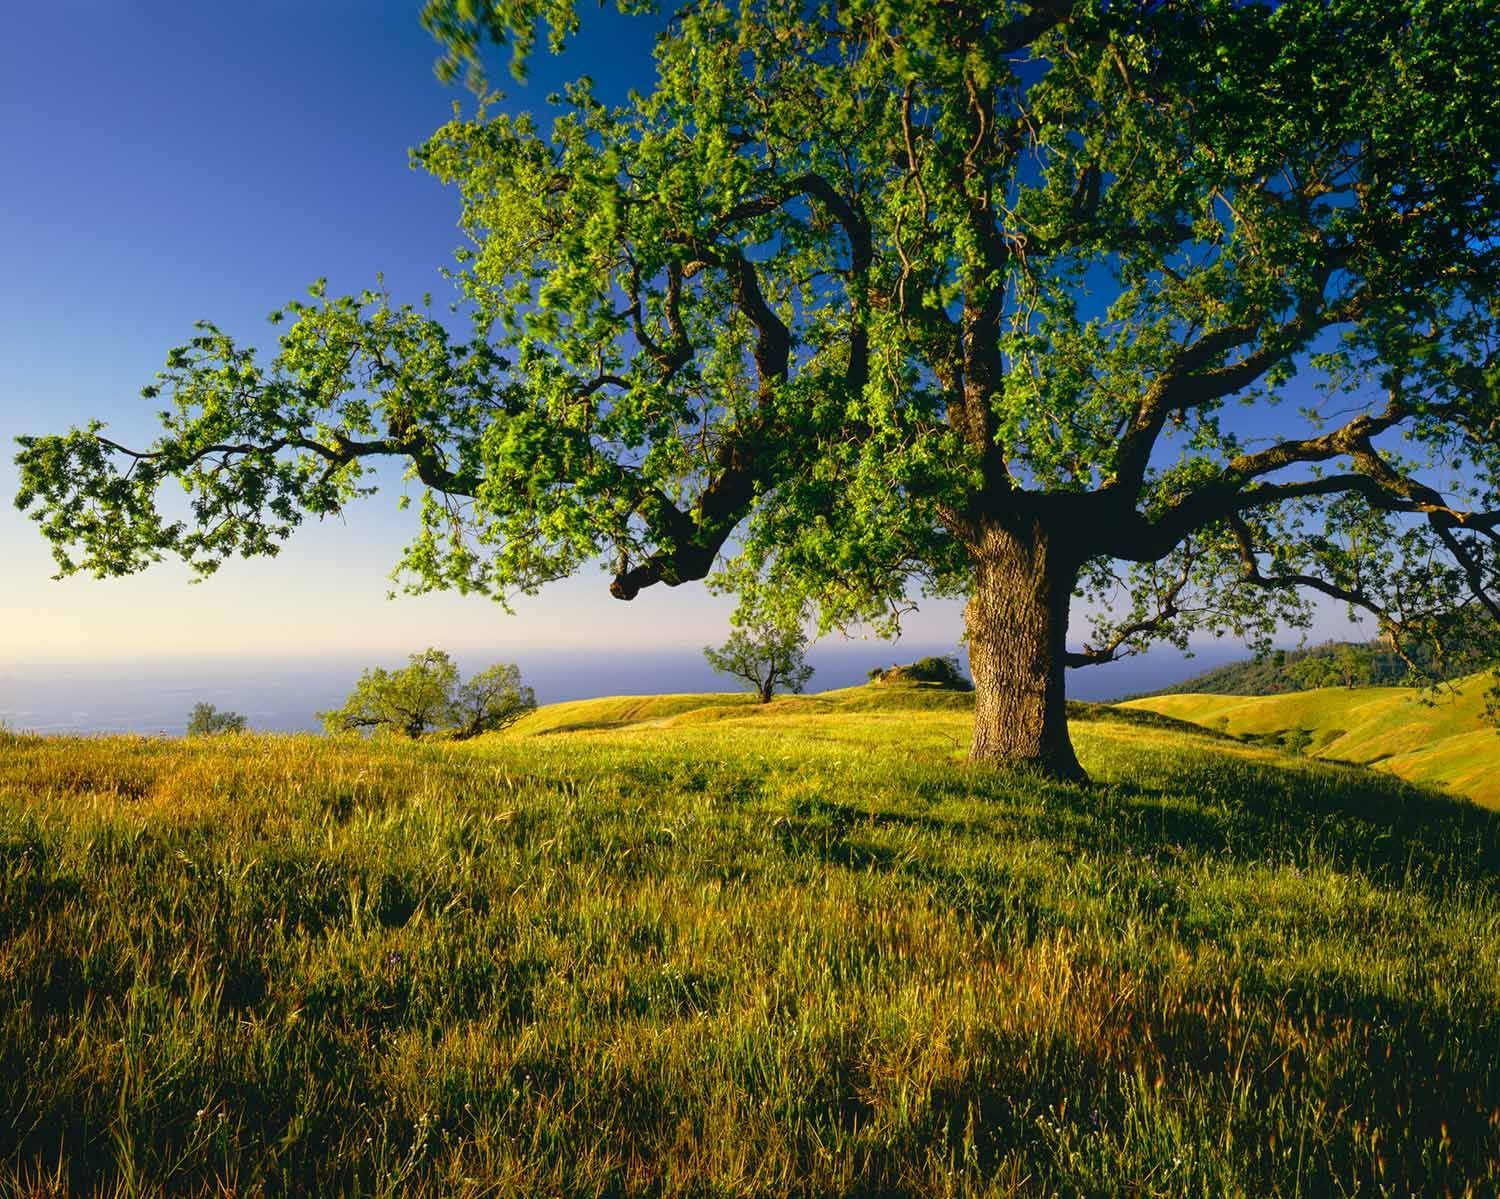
x: 165, y: 162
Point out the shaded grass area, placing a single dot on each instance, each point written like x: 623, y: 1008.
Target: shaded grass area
x: 806, y: 952
x: 1438, y: 736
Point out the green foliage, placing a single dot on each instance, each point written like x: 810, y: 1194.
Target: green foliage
x: 767, y: 653
x: 1346, y: 666
x: 428, y: 694
x: 793, y: 954
x: 491, y: 700
x: 206, y: 720
x: 887, y: 294
x: 411, y: 701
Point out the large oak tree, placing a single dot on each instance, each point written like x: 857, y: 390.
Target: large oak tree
x: 1190, y: 306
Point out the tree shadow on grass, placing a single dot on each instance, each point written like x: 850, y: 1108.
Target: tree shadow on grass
x: 1209, y: 804
x: 1175, y: 808
x: 1392, y: 830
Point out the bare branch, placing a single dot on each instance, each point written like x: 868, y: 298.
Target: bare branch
x: 1117, y: 646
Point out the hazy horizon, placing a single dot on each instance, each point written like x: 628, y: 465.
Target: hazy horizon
x: 151, y: 694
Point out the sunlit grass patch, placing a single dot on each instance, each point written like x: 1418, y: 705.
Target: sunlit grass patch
x: 807, y: 950
x: 1437, y: 736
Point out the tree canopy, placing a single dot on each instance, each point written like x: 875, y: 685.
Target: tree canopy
x: 768, y: 653
x: 1188, y: 307
x: 427, y: 694
x: 205, y: 720
x: 491, y: 700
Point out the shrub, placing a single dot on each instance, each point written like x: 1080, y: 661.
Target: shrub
x: 936, y: 671
x: 206, y: 720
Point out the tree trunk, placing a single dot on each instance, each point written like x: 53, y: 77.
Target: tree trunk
x: 1017, y: 622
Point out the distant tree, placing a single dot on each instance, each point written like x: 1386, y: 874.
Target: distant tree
x: 1340, y: 666
x: 1316, y: 670
x: 1356, y: 665
x: 767, y: 654
x: 206, y: 720
x: 428, y: 694
x: 412, y: 700
x: 491, y: 700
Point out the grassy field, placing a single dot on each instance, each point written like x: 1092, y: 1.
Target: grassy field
x: 1437, y: 737
x: 689, y: 947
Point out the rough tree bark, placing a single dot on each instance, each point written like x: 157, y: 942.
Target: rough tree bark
x: 1017, y: 623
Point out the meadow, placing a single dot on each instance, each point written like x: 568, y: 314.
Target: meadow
x: 1440, y: 736
x: 688, y: 946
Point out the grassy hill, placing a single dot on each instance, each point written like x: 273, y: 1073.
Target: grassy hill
x: 1343, y: 663
x: 691, y: 946
x: 664, y: 711
x: 1433, y: 737
x: 1276, y: 673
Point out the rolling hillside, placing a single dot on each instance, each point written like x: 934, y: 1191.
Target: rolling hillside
x: 1331, y: 664
x: 1275, y: 673
x: 689, y: 945
x: 662, y: 711
x: 1434, y: 737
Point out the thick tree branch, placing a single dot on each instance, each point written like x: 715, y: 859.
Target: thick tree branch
x: 740, y: 461
x: 673, y: 356
x: 1134, y: 537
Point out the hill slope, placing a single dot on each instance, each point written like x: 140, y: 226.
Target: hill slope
x: 1276, y: 673
x: 1437, y: 738
x: 801, y: 951
x: 1331, y: 664
x: 658, y: 711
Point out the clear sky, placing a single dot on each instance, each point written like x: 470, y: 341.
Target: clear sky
x: 167, y: 160
x: 170, y: 161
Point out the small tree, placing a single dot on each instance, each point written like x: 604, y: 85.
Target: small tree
x: 1343, y: 665
x: 206, y: 720
x: 1356, y: 665
x: 1314, y: 671
x: 410, y: 701
x: 765, y: 654
x: 491, y: 700
x: 428, y: 694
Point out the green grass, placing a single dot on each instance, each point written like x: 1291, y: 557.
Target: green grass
x: 1437, y: 737
x: 658, y: 711
x: 804, y: 951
